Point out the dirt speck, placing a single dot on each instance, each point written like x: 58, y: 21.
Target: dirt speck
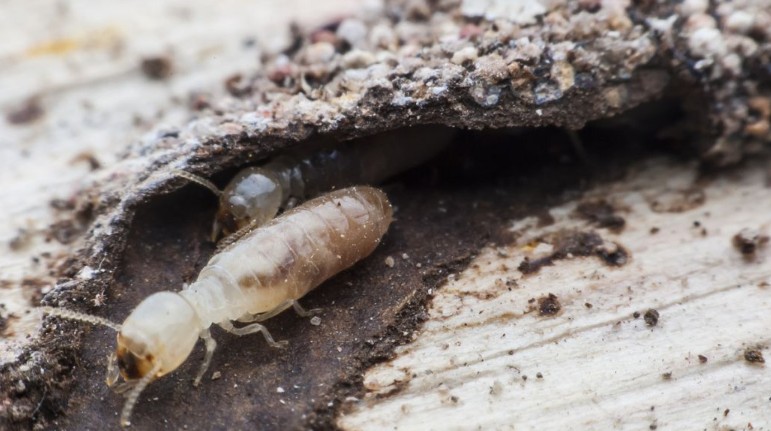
x: 749, y: 241
x: 549, y: 305
x: 613, y: 254
x: 157, y: 68
x: 754, y: 356
x: 703, y: 359
x: 28, y: 112
x: 601, y: 214
x: 569, y: 244
x: 21, y: 240
x: 651, y: 317
x: 237, y: 85
x: 667, y: 376
x: 89, y: 158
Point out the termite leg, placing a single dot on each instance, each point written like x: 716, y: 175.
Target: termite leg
x: 302, y: 311
x: 211, y: 344
x: 250, y: 329
x: 280, y: 309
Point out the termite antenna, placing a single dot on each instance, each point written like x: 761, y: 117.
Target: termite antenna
x: 74, y: 315
x: 133, y: 396
x: 198, y: 180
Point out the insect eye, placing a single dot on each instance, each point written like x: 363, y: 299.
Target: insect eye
x: 131, y: 366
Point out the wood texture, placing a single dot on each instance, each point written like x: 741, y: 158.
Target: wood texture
x: 490, y: 358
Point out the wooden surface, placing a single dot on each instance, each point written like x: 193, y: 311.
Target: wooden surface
x: 488, y: 359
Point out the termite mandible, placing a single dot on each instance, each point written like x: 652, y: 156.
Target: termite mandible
x: 258, y: 276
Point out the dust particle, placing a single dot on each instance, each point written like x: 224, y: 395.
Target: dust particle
x: 549, y: 305
x: 703, y: 359
x: 636, y: 314
x: 651, y: 317
x: 588, y: 305
x: 216, y: 375
x: 389, y: 261
x: 157, y: 68
x: 667, y: 376
x: 654, y: 230
x: 754, y: 356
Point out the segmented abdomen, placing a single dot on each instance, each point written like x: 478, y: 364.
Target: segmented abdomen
x: 294, y: 252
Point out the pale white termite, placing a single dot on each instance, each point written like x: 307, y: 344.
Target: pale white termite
x: 257, y: 193
x: 260, y: 275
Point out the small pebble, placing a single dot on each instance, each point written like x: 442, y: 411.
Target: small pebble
x: 315, y: 320
x: 389, y: 261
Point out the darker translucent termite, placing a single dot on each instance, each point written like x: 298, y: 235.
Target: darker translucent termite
x: 256, y: 194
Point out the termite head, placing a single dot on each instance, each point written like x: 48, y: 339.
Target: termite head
x: 252, y: 197
x: 156, y: 338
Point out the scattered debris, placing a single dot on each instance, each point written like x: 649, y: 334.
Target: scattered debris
x: 754, y: 356
x: 601, y: 214
x: 549, y: 305
x: 749, y: 241
x: 570, y: 244
x: 651, y: 317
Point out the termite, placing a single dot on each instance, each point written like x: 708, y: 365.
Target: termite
x: 256, y: 277
x: 256, y: 194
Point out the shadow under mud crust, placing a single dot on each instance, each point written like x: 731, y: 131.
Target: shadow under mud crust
x: 445, y: 212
